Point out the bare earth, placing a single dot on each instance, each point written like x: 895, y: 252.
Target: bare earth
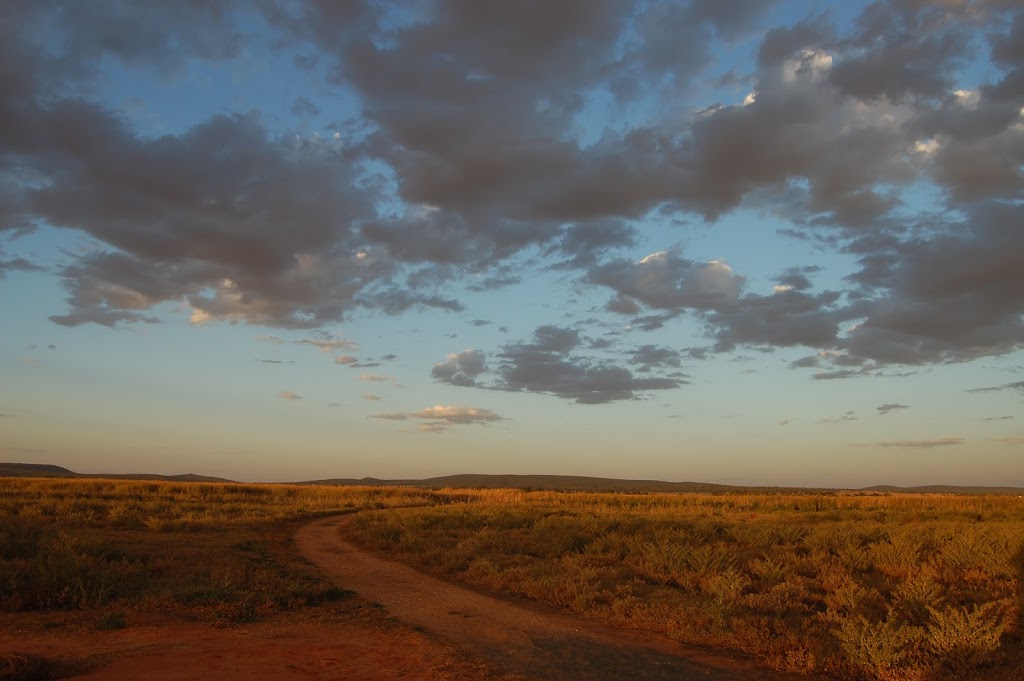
x: 514, y: 638
x: 444, y: 632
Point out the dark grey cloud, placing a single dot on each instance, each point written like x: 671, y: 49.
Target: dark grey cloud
x: 808, y: 362
x: 648, y: 357
x: 472, y: 155
x: 623, y: 305
x: 551, y: 364
x: 784, y: 42
x: 16, y: 264
x: 584, y: 243
x: 667, y: 281
x: 547, y: 366
x: 904, y: 49
x: 461, y: 368
x: 787, y: 318
x: 947, y: 297
x: 884, y: 409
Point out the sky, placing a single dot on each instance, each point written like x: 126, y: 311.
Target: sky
x: 749, y: 241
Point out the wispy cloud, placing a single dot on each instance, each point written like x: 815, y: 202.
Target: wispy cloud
x: 1012, y: 440
x: 1016, y: 385
x: 27, y: 450
x: 289, y: 395
x: 924, y: 444
x: 379, y: 378
x: 328, y: 344
x: 891, y: 406
x: 440, y: 417
x: 847, y: 416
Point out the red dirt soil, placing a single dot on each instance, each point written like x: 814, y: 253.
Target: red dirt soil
x: 445, y: 633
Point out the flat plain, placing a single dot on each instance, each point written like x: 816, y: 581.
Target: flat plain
x: 98, y: 576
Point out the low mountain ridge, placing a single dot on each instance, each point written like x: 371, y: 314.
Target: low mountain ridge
x: 559, y: 483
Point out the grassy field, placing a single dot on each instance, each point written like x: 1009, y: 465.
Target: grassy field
x: 889, y: 587
x: 851, y: 586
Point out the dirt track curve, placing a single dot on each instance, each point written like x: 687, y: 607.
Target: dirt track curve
x: 515, y: 638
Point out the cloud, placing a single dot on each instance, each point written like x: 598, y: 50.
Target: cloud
x: 847, y: 416
x: 379, y: 378
x: 888, y: 407
x: 648, y: 357
x: 1017, y: 385
x: 547, y: 366
x: 1012, y: 440
x: 666, y: 281
x: 289, y: 395
x: 461, y: 368
x: 370, y: 397
x: 16, y: 265
x: 440, y: 417
x: 328, y: 343
x: 833, y: 375
x: 490, y: 135
x: 924, y: 444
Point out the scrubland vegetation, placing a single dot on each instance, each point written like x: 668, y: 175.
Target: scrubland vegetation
x: 904, y: 587
x: 887, y: 587
x: 203, y: 551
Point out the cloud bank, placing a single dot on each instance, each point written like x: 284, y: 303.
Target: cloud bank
x: 473, y: 148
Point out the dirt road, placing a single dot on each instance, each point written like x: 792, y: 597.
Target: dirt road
x: 515, y: 638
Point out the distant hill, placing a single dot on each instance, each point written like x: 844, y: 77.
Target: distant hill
x: 44, y: 470
x: 35, y: 470
x: 564, y: 483
x: 560, y: 483
x: 946, y: 489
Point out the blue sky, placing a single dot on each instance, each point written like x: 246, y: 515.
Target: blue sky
x: 746, y: 242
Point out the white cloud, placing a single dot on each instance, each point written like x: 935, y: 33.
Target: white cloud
x: 199, y: 317
x: 926, y: 147
x: 440, y: 417
x: 809, y: 64
x: 969, y: 99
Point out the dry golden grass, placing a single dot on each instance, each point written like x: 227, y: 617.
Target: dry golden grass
x: 872, y: 586
x: 905, y: 586
x: 207, y: 551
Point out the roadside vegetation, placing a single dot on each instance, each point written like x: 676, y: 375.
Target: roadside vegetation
x: 198, y: 551
x: 880, y: 587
